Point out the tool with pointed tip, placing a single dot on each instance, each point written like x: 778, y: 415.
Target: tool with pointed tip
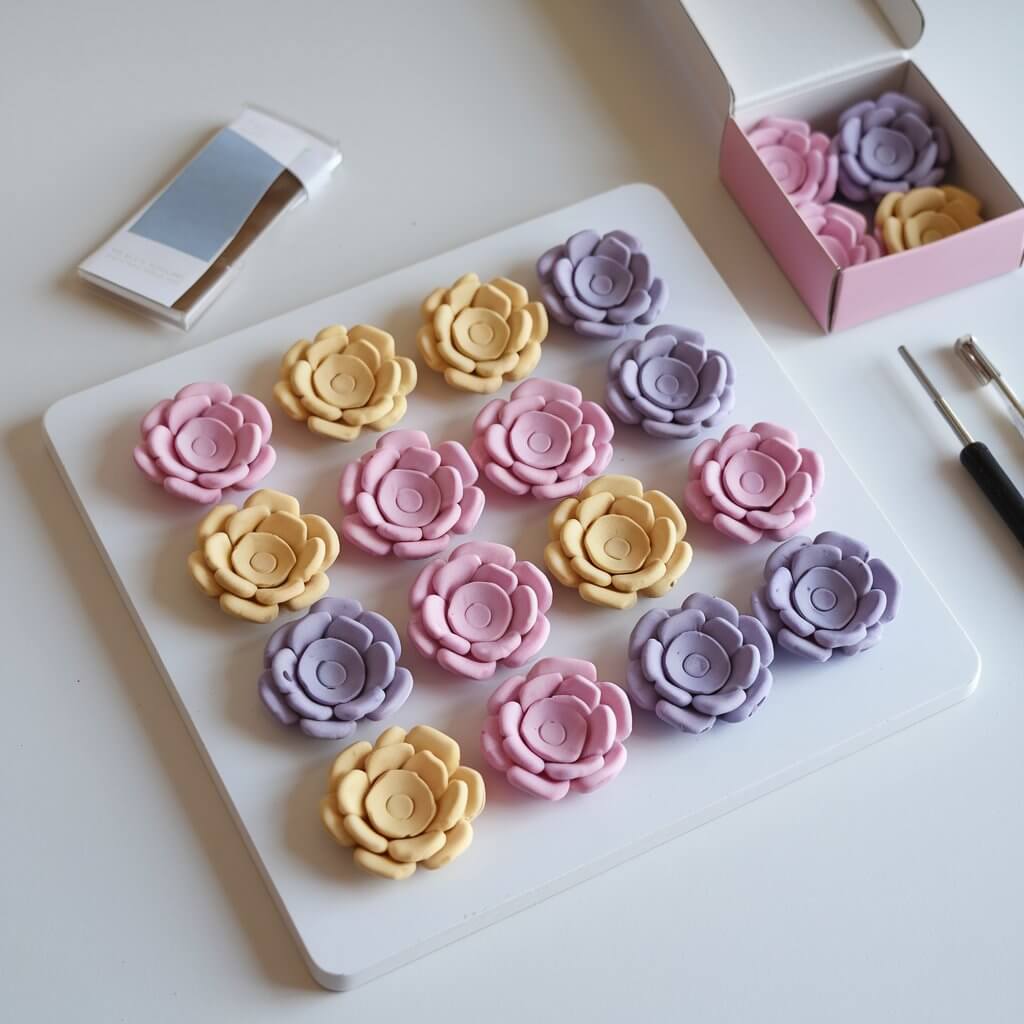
x: 976, y: 458
x: 968, y: 349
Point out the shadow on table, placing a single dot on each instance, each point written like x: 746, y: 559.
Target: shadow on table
x: 134, y: 671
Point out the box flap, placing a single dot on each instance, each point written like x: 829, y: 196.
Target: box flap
x: 779, y: 46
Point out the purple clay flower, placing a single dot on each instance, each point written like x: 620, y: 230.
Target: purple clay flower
x: 888, y: 145
x: 700, y: 663
x: 599, y: 285
x: 826, y: 595
x: 669, y: 384
x: 332, y: 668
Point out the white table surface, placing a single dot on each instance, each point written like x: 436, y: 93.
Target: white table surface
x: 887, y: 887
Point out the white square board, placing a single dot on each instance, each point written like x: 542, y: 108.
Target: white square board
x: 352, y: 927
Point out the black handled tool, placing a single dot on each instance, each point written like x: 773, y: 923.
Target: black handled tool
x: 976, y: 458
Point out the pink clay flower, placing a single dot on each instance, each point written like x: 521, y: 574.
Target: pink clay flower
x: 798, y: 159
x: 842, y: 232
x: 557, y: 729
x: 754, y: 483
x: 205, y: 441
x: 406, y: 498
x: 478, y: 609
x: 545, y: 440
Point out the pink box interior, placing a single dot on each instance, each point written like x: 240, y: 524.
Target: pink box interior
x: 841, y: 298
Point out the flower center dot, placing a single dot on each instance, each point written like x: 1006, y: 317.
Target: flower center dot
x: 602, y: 284
x: 553, y: 733
x: 263, y: 562
x: 752, y: 483
x: 696, y: 666
x: 617, y: 548
x: 204, y: 447
x: 886, y: 154
x: 667, y: 384
x: 343, y: 383
x: 400, y: 806
x: 539, y: 443
x: 481, y: 333
x: 331, y: 674
x: 478, y: 615
x: 823, y: 599
x: 409, y: 500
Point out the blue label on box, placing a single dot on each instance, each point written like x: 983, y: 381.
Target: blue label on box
x: 203, y: 208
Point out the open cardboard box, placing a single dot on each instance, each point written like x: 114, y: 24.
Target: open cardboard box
x: 810, y: 60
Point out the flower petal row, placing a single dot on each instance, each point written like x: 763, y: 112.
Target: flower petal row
x: 600, y: 284
x: 343, y: 381
x: 826, y: 595
x: 842, y: 232
x: 545, y: 440
x: 557, y: 728
x: 332, y: 668
x: 204, y: 441
x: 478, y: 609
x: 700, y: 663
x: 479, y: 335
x: 403, y: 802
x: 616, y: 541
x: 798, y: 158
x: 907, y: 220
x: 256, y: 558
x: 406, y: 498
x: 669, y: 384
x: 754, y: 483
x: 888, y: 145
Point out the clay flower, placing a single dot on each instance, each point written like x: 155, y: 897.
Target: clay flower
x: 617, y: 541
x: 343, y: 381
x: 403, y: 802
x: 842, y: 232
x: 204, y: 441
x: 754, y: 483
x: 826, y: 595
x: 599, y: 285
x: 669, y: 384
x: 557, y: 729
x: 799, y: 159
x: 478, y: 609
x: 262, y: 556
x: 332, y: 668
x: 888, y: 145
x: 480, y: 335
x: 700, y: 663
x: 405, y: 498
x: 907, y: 220
x: 545, y: 440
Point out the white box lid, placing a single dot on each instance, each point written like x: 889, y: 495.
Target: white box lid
x: 770, y: 47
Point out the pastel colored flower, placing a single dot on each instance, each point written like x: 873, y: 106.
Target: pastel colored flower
x: 798, y: 158
x: 205, y: 441
x: 700, y: 663
x: 263, y: 556
x: 480, y: 335
x: 888, y: 145
x: 404, y: 802
x: 669, y: 384
x: 545, y: 440
x: 406, y: 498
x: 826, y: 595
x: 343, y: 381
x: 842, y: 232
x: 601, y: 284
x: 479, y: 608
x: 332, y: 668
x: 754, y: 483
x: 617, y: 541
x: 908, y: 220
x: 557, y: 728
